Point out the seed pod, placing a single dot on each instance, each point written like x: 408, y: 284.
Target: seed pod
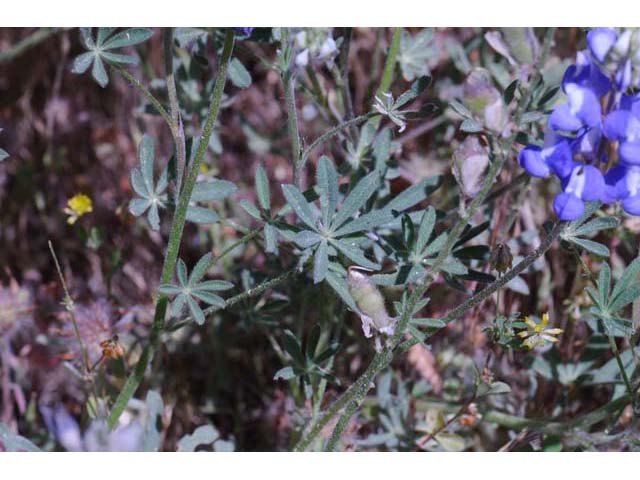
x: 370, y: 302
x: 470, y: 162
x: 501, y: 258
x: 484, y: 100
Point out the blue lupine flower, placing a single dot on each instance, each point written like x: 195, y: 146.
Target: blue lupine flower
x: 600, y: 41
x: 585, y: 74
x: 582, y: 109
x: 554, y: 157
x: 243, y: 30
x: 580, y: 133
x: 623, y: 125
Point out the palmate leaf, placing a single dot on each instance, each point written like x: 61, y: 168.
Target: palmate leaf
x: 99, y: 50
x: 415, y: 52
x: 190, y: 289
x: 152, y: 196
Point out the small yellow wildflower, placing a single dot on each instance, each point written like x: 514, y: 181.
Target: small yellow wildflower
x: 77, y: 206
x: 537, y: 334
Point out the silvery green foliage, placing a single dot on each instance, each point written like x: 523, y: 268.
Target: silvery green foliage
x: 470, y: 162
x: 577, y: 231
x: 518, y: 45
x: 100, y: 50
x: 609, y: 302
x: 263, y: 211
x: 238, y: 74
x: 152, y: 196
x: 205, y: 435
x: 153, y: 424
x: 306, y: 363
x: 191, y: 289
x: 385, y: 104
x: 415, y: 51
x: 12, y: 442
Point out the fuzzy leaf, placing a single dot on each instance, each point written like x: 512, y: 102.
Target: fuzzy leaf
x: 356, y: 199
x: 299, y: 204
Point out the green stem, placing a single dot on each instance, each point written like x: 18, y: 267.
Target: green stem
x: 289, y: 80
x: 612, y: 341
x: 390, y: 63
x: 178, y: 130
x: 175, y: 236
x: 149, y: 96
x: 381, y: 360
x: 26, y: 44
x: 69, y: 305
x: 329, y: 134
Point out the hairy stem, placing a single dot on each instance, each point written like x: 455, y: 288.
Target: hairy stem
x: 289, y: 80
x: 148, y: 95
x: 178, y: 129
x: 175, y: 236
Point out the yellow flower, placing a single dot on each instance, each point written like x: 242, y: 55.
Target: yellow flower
x: 537, y: 334
x: 77, y: 206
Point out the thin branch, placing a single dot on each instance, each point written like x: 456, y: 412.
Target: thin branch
x: 175, y: 236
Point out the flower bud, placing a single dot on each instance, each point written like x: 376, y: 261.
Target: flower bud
x: 470, y: 162
x: 370, y: 302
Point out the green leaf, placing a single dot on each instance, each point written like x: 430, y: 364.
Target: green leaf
x: 414, y: 53
x: 629, y: 276
x: 208, y: 298
x: 312, y: 341
x: 590, y: 246
x: 251, y: 209
x: 299, y: 204
x: 212, y: 190
x: 200, y: 269
x: 270, y: 238
x: 624, y: 298
x: 596, y: 225
x: 181, y: 271
x: 262, y: 188
x: 97, y: 50
x: 213, y: 285
x: 285, y: 373
x: 196, y: 312
x: 153, y: 425
x: 15, y: 443
x: 3, y: 155
x: 451, y: 442
x: 201, y: 215
x: 460, y: 109
x: 292, y: 346
x: 604, y: 283
x: 327, y: 181
x: 368, y: 221
x: 414, y: 194
x: 426, y: 228
x: 320, y: 262
x: 127, y: 38
x: 306, y: 238
x: 471, y: 126
x: 169, y: 289
x: 417, y: 87
x: 238, y: 74
x: 354, y: 253
x: 204, y: 435
x: 356, y: 199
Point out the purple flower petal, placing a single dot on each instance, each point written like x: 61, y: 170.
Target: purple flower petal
x: 559, y: 158
x: 530, y: 158
x: 629, y: 152
x: 600, y: 41
x: 617, y: 124
x: 615, y: 185
x: 564, y: 119
x: 631, y: 205
x: 568, y: 207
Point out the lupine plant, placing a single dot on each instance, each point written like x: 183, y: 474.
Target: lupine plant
x: 375, y: 296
